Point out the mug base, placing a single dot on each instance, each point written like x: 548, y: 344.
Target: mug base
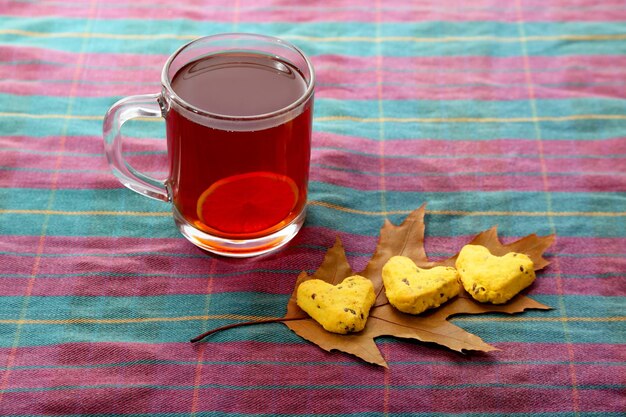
x: 239, y: 248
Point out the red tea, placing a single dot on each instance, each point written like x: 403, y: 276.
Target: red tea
x: 239, y: 184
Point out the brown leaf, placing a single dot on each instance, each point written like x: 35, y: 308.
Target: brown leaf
x: 433, y: 326
x: 404, y: 240
x: 334, y: 269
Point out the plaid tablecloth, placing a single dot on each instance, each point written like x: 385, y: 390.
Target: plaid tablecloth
x: 508, y: 113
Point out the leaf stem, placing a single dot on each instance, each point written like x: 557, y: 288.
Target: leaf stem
x: 241, y: 324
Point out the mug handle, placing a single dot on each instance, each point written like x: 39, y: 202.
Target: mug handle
x: 144, y: 105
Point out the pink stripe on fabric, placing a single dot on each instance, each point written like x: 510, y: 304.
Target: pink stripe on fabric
x: 483, y: 78
x: 30, y: 55
x: 107, y: 353
x: 496, y: 399
x: 350, y: 3
x: 65, y: 180
x: 323, y: 142
x: 432, y: 165
x: 24, y: 160
x: 82, y: 165
x: 472, y: 182
x: 110, y: 266
x: 504, y: 146
x: 612, y: 286
x: 424, y: 181
x: 316, y: 236
x: 81, y: 146
x: 487, y: 65
x: 111, y: 285
x: 394, y: 11
x: 321, y: 398
x: 451, y: 78
x: 177, y: 375
x: 393, y: 90
x: 427, y: 371
x: 500, y: 163
x: 334, y: 161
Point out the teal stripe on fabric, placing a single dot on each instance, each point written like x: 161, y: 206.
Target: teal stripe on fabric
x: 182, y: 331
x: 79, y: 212
x: 468, y: 203
x: 252, y: 304
x: 583, y: 129
x: 93, y: 107
x: 165, y: 327
x: 474, y: 120
x: 576, y: 119
x: 398, y: 39
x: 189, y: 28
x: 39, y: 116
x: 165, y: 306
x: 516, y: 201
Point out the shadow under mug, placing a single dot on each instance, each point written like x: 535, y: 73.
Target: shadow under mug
x: 238, y: 116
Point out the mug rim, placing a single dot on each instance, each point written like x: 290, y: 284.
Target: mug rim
x: 166, y: 82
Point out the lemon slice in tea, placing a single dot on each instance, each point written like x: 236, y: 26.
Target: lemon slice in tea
x: 247, y: 203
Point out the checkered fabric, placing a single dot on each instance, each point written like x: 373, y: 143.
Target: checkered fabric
x: 508, y: 113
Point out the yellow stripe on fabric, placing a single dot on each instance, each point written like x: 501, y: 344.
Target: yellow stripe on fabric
x: 242, y: 318
x: 117, y: 36
x: 50, y: 116
x: 338, y: 208
x: 473, y: 213
x: 573, y: 117
x: 381, y: 110
x: 69, y: 116
x: 473, y: 119
x: 83, y: 320
x: 332, y: 39
x: 382, y: 186
x: 453, y: 39
x: 545, y: 319
x: 78, y: 70
x: 548, y: 196
x: 200, y: 355
x: 89, y: 213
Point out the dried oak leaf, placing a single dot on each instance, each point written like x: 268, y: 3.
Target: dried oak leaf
x: 384, y: 320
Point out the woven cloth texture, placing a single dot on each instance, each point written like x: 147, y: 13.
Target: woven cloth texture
x: 507, y: 113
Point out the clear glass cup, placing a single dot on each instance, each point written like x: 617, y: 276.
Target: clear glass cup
x: 238, y: 115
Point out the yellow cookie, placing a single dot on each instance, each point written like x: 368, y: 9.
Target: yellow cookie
x: 341, y: 308
x: 413, y: 290
x: 493, y: 279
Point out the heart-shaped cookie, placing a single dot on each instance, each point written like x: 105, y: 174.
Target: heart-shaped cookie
x: 493, y: 279
x: 413, y: 290
x: 341, y: 308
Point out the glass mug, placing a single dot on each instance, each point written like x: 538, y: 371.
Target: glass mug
x: 238, y: 116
